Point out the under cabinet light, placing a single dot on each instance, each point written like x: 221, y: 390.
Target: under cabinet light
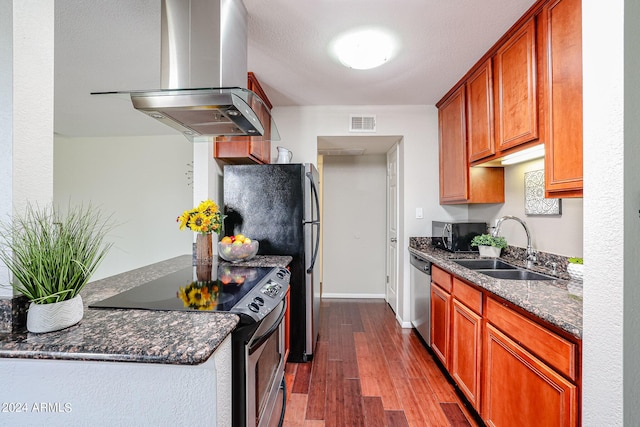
x: 524, y: 155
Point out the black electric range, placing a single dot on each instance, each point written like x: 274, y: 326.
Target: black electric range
x: 251, y: 292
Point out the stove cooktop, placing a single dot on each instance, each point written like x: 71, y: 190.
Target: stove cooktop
x: 230, y: 289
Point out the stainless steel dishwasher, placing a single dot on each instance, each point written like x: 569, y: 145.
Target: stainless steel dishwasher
x: 421, y: 297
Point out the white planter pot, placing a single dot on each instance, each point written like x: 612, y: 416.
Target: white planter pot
x: 489, y: 251
x: 576, y: 271
x: 55, y: 316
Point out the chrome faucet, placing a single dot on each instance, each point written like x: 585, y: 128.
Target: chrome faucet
x: 531, y: 254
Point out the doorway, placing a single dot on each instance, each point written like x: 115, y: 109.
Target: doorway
x: 355, y: 217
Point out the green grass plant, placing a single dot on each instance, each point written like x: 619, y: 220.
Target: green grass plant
x: 52, y: 254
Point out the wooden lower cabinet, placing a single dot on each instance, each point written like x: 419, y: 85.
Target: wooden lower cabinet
x: 466, y: 345
x: 520, y: 390
x: 514, y: 370
x: 440, y: 323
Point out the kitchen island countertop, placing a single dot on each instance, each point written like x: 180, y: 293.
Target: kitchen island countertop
x: 559, y: 302
x: 167, y: 337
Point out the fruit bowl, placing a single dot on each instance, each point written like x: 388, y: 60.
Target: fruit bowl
x: 236, y: 252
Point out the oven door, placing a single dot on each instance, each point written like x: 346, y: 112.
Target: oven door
x: 264, y: 364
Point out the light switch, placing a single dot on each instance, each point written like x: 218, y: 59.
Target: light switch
x: 419, y: 214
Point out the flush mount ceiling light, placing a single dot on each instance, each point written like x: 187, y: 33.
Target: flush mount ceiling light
x: 364, y: 48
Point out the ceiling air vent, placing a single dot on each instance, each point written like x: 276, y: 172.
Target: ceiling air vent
x: 362, y: 123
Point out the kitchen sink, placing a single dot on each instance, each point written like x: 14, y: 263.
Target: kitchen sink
x: 484, y: 264
x: 500, y: 269
x: 516, y: 274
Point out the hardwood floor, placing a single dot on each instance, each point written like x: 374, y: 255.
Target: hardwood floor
x: 368, y: 371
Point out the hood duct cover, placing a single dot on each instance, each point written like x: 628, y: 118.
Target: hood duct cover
x: 204, y: 72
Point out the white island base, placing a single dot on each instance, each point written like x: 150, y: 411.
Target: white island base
x: 38, y: 392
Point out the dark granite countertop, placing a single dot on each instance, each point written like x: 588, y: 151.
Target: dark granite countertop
x: 169, y: 337
x: 558, y: 302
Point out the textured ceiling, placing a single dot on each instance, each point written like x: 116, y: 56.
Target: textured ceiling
x: 114, y: 45
x: 439, y: 41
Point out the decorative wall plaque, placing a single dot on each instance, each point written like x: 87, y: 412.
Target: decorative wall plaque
x: 534, y: 201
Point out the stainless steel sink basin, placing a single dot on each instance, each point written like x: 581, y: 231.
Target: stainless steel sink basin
x: 500, y: 269
x: 516, y: 274
x: 484, y: 264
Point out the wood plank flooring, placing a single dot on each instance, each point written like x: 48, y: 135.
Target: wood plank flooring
x: 369, y: 372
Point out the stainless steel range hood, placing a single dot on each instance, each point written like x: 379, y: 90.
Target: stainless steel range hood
x: 204, y: 73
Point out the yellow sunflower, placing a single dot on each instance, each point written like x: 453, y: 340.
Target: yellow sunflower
x: 208, y: 207
x: 183, y: 219
x: 200, y: 223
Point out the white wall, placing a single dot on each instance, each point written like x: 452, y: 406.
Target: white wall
x: 560, y: 235
x: 143, y: 181
x: 610, y: 308
x: 299, y: 128
x: 6, y: 126
x: 26, y: 108
x: 354, y: 226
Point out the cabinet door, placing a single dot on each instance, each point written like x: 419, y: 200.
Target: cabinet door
x: 454, y: 166
x: 520, y: 390
x: 516, y: 97
x: 480, y: 136
x: 562, y: 34
x: 466, y: 349
x: 440, y: 323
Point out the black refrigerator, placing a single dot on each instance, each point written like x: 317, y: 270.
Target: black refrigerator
x: 277, y: 204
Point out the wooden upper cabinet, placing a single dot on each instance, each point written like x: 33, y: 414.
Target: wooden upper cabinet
x: 454, y: 166
x: 561, y: 33
x: 479, y: 86
x: 515, y: 85
x: 247, y: 149
x: 458, y: 182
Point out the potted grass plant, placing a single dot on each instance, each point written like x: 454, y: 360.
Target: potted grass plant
x: 488, y: 245
x: 52, y: 256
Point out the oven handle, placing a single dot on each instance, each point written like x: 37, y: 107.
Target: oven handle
x: 256, y: 343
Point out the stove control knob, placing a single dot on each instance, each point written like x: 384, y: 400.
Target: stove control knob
x: 254, y: 307
x: 259, y: 300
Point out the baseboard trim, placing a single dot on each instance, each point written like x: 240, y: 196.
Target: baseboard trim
x: 352, y: 296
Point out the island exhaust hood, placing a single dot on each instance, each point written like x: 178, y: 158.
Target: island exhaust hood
x: 204, y: 74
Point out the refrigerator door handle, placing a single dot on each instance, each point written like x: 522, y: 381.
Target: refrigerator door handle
x: 314, y: 190
x: 315, y: 251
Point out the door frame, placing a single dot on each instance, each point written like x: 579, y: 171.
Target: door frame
x: 392, y: 274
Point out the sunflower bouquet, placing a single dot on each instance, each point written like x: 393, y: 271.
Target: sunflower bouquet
x: 205, y: 218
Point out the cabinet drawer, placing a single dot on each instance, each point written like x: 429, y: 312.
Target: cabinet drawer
x: 441, y: 278
x: 553, y: 349
x: 468, y: 295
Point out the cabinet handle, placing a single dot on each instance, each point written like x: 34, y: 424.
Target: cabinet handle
x: 394, y: 239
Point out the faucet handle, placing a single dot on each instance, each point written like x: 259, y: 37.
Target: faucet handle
x: 554, y: 267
